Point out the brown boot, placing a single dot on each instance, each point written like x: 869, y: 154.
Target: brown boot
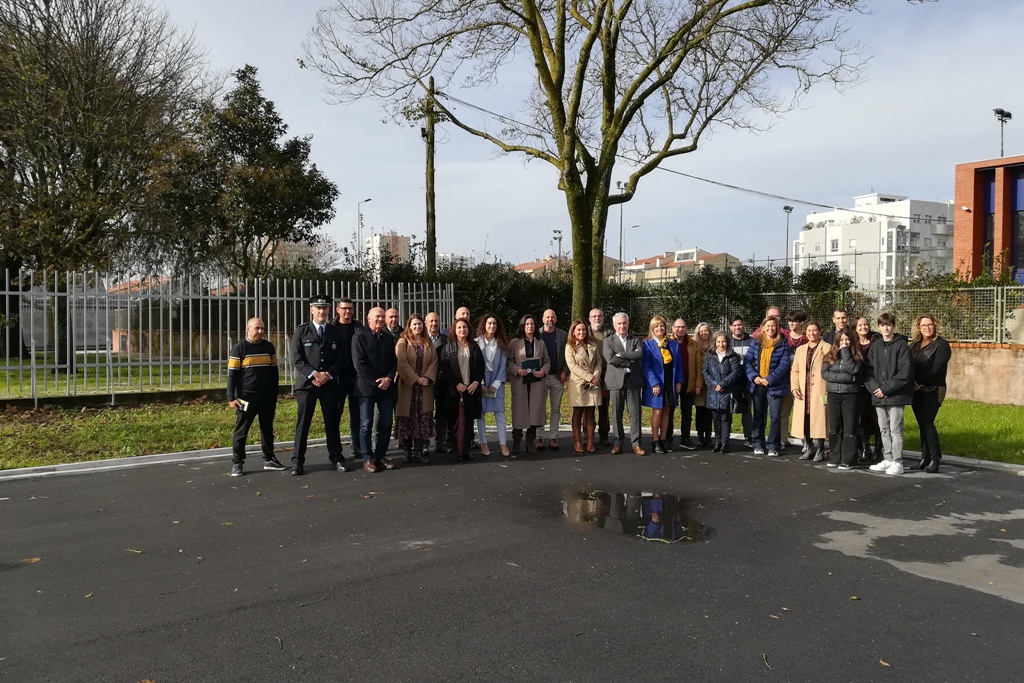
x: 577, y: 444
x: 590, y: 438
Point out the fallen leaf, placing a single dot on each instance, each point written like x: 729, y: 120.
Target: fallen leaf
x: 87, y: 596
x: 974, y: 634
x: 31, y: 560
x: 785, y: 609
x: 884, y: 663
x: 854, y: 597
x: 228, y: 523
x: 176, y: 521
x: 774, y: 616
x: 367, y: 496
x: 133, y: 550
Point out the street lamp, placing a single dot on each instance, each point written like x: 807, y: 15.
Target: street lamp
x: 1002, y: 116
x: 788, y: 210
x: 359, y: 230
x: 622, y: 234
x: 622, y: 238
x: 558, y: 238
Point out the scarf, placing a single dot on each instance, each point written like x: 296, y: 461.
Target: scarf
x: 765, y: 360
x: 666, y: 355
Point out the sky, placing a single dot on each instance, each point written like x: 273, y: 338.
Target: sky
x: 937, y: 71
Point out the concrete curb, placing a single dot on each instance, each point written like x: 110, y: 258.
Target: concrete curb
x: 96, y: 466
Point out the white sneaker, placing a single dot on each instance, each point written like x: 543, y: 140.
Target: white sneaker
x: 773, y: 454
x: 758, y: 451
x: 831, y: 464
x: 881, y: 466
x: 895, y: 468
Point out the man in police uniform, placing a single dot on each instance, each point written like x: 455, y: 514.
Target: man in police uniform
x: 316, y: 354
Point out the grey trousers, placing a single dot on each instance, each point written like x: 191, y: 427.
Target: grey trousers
x: 553, y: 390
x: 890, y: 421
x: 630, y: 400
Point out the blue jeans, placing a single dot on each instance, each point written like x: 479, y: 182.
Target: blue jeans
x: 766, y: 407
x: 384, y: 403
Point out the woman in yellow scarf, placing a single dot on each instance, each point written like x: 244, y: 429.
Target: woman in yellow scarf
x: 767, y: 364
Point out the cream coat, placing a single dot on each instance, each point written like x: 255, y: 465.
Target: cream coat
x: 527, y: 411
x: 584, y: 362
x: 797, y: 380
x: 407, y: 376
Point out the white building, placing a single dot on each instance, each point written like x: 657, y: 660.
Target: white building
x: 390, y: 243
x: 450, y: 258
x: 882, y: 239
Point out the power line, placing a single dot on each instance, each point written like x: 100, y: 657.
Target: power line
x: 736, y: 188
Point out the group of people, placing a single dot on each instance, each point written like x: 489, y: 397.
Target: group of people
x: 427, y: 383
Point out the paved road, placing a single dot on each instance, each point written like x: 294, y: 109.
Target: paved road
x: 472, y: 572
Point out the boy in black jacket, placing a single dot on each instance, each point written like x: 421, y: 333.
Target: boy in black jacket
x: 891, y: 384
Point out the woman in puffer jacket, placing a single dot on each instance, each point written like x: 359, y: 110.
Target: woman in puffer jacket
x: 722, y: 370
x: 841, y: 371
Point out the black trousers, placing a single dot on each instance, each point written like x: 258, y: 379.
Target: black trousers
x: 327, y: 397
x: 722, y: 420
x: 346, y: 392
x: 926, y: 407
x: 743, y: 405
x: 704, y: 422
x: 685, y: 408
x: 263, y: 407
x: 843, y: 425
x: 441, y: 402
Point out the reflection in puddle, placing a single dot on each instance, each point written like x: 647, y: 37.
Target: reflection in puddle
x: 651, y: 516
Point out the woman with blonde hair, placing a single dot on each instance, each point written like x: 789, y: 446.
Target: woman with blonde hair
x: 810, y: 416
x: 930, y: 355
x: 584, y: 386
x: 663, y: 379
x: 767, y: 365
x: 703, y: 420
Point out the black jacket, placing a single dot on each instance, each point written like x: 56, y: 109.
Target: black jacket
x: 373, y: 356
x: 309, y: 354
x: 345, y: 335
x: 842, y: 376
x: 931, y: 363
x: 448, y: 368
x: 892, y: 371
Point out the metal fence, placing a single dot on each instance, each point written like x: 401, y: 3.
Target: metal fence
x: 66, y: 334
x: 993, y: 315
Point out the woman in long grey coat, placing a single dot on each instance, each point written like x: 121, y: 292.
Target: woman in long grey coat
x: 528, y: 362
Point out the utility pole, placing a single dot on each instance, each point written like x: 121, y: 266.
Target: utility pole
x: 428, y: 136
x: 789, y: 247
x: 558, y: 238
x: 1002, y: 116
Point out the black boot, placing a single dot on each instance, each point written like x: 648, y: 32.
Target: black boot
x: 531, y: 440
x: 933, y: 466
x: 517, y: 440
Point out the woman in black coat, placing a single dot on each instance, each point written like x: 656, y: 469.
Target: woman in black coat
x: 930, y: 355
x: 462, y: 365
x: 841, y: 372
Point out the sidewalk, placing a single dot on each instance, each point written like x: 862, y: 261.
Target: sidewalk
x: 95, y: 466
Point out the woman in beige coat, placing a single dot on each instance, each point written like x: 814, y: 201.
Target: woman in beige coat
x: 528, y: 362
x: 810, y: 414
x: 584, y: 386
x: 417, y: 372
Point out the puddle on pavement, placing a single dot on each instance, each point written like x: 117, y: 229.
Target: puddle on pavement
x: 657, y: 517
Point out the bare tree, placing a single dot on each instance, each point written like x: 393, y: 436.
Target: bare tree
x: 640, y: 81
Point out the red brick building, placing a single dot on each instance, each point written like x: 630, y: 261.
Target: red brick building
x: 988, y: 229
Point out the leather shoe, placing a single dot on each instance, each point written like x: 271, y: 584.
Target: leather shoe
x: 616, y: 449
x: 553, y: 444
x: 639, y: 451
x: 369, y: 466
x: 933, y: 467
x: 296, y: 471
x: 340, y: 466
x: 384, y: 465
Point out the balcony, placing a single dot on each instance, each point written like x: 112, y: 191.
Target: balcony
x: 942, y: 228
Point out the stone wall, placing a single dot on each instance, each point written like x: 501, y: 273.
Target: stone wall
x: 989, y: 373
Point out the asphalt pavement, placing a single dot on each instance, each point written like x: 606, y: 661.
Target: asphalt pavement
x: 475, y: 571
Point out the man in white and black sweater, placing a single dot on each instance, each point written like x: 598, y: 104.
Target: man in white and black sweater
x: 252, y: 393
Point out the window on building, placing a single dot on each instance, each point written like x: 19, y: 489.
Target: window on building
x: 927, y: 241
x: 928, y: 218
x: 1017, y: 246
x: 940, y: 243
x: 888, y: 266
x: 852, y: 268
x: 817, y: 246
x: 916, y: 218
x: 833, y: 245
x: 915, y: 239
x: 888, y: 241
x: 853, y: 243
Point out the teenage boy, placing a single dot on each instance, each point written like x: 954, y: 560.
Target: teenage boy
x: 891, y: 385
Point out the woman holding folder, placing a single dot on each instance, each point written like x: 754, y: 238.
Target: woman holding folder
x: 528, y: 362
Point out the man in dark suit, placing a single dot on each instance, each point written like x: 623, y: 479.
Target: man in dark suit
x: 373, y: 354
x: 625, y: 380
x: 315, y: 353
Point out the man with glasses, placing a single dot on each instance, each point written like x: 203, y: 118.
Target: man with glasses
x: 690, y: 352
x: 742, y: 406
x: 252, y: 393
x: 345, y: 324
